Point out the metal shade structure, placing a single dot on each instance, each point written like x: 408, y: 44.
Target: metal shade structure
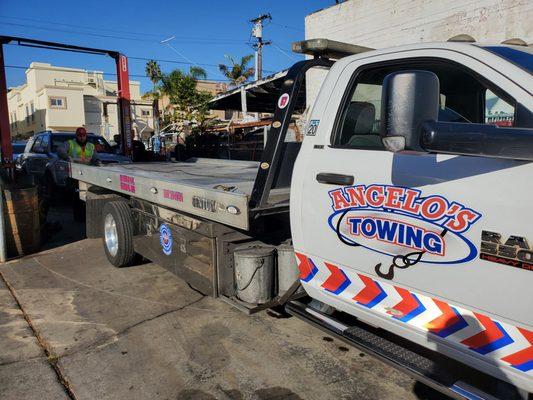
x: 261, y: 95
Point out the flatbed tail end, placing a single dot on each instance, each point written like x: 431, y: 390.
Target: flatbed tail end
x: 219, y: 205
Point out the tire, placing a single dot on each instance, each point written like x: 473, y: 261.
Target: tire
x: 94, y: 206
x: 118, y: 239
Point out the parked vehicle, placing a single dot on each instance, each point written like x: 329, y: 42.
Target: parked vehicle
x: 409, y: 211
x: 40, y: 157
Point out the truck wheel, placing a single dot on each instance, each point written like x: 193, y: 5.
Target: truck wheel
x: 94, y: 207
x: 118, y: 233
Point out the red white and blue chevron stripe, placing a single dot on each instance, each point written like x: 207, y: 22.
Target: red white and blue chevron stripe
x: 502, y: 343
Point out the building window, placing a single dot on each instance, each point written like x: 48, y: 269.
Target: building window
x: 145, y: 113
x: 27, y: 114
x: 32, y: 109
x: 58, y: 102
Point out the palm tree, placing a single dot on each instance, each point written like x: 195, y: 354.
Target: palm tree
x: 197, y: 73
x: 153, y: 72
x: 237, y: 72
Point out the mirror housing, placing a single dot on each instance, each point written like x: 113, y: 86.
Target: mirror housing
x: 408, y: 99
x: 481, y: 140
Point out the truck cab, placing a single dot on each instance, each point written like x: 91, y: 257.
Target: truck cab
x: 410, y: 201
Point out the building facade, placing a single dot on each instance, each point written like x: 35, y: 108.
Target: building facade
x: 384, y: 23
x: 62, y: 99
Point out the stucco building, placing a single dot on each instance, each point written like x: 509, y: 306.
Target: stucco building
x: 383, y: 23
x: 62, y: 99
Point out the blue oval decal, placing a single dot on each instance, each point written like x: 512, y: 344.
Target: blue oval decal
x: 399, y: 222
x: 165, y: 238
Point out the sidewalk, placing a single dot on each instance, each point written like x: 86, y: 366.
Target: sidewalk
x: 142, y: 333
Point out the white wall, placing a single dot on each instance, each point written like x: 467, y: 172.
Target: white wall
x: 385, y: 23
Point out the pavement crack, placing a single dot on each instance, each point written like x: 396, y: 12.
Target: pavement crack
x: 98, y: 289
x: 50, y: 357
x: 3, y: 364
x: 107, y: 341
x: 196, y: 290
x: 126, y: 330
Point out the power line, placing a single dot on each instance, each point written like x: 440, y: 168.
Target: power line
x: 171, y: 61
x: 103, y: 73
x: 82, y: 33
x: 283, y: 51
x: 166, y: 61
x: 209, y: 41
x: 81, y: 26
x: 183, y: 62
x: 288, y: 27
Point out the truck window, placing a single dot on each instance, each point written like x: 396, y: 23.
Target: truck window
x: 44, y: 143
x: 37, y: 148
x: 465, y: 98
x: 360, y: 122
x: 498, y: 111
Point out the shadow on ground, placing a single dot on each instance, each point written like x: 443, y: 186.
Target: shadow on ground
x: 142, y: 333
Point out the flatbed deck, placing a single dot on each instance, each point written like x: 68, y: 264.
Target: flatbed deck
x: 201, y: 187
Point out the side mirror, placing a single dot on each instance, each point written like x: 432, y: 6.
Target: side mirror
x: 408, y: 99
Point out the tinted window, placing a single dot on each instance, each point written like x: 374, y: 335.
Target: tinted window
x: 99, y: 142
x: 361, y: 117
x: 58, y: 140
x: 45, y: 142
x: 29, y: 145
x: 37, y: 145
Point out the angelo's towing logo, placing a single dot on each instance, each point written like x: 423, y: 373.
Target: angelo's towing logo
x: 400, y: 223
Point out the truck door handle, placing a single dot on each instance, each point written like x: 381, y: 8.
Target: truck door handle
x: 334, y: 179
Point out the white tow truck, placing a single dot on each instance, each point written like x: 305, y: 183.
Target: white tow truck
x: 409, y: 206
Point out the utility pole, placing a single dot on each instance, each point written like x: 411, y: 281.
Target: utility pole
x: 257, y: 32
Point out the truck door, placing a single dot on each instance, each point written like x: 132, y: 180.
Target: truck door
x: 40, y: 155
x: 434, y: 247
x: 32, y: 156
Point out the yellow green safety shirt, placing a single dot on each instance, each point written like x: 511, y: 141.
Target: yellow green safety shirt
x: 80, y: 154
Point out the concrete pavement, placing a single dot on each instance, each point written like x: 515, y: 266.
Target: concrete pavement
x: 142, y: 333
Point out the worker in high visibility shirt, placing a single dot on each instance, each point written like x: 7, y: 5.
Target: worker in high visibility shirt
x: 79, y: 150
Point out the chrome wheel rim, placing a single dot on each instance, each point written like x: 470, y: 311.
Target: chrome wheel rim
x: 110, y: 235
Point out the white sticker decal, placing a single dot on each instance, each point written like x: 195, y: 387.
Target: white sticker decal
x: 313, y: 126
x: 283, y: 100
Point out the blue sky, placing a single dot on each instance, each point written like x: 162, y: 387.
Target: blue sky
x: 205, y: 31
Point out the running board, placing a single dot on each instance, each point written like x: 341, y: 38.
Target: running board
x: 435, y: 370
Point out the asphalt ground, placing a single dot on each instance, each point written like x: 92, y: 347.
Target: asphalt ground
x: 72, y: 326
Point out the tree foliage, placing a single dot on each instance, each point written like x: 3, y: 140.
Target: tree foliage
x: 189, y: 105
x: 237, y: 72
x: 153, y: 72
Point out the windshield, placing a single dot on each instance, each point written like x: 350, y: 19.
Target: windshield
x: 100, y: 144
x: 523, y: 57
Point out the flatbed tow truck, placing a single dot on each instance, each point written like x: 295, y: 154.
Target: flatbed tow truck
x: 410, y: 212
